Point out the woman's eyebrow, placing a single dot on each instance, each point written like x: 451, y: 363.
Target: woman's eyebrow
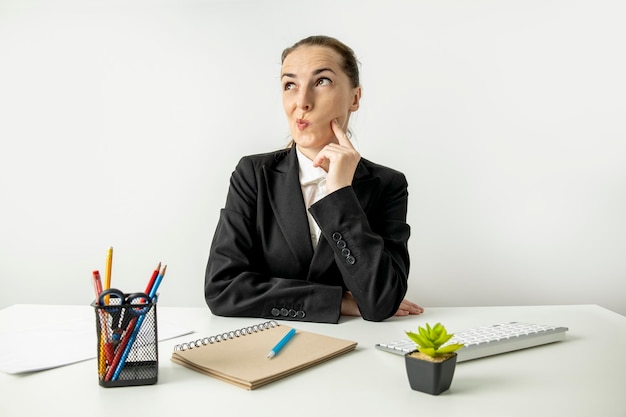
x: 316, y: 72
x: 319, y: 71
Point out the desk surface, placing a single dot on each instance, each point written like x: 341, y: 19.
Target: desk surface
x: 581, y: 376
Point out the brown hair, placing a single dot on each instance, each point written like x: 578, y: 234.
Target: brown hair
x: 350, y: 63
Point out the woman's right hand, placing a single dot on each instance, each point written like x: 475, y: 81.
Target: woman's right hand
x: 350, y: 308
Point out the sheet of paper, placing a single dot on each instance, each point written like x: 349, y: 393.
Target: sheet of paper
x: 57, y: 344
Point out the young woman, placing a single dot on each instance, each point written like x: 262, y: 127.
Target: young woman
x: 313, y: 231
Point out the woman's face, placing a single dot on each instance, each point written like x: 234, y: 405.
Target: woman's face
x: 316, y: 90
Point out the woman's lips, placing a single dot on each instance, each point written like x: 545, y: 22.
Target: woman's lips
x: 302, y: 124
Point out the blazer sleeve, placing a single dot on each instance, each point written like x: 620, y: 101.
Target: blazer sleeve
x: 370, y: 248
x: 237, y: 280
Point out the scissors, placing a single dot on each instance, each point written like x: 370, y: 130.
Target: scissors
x: 122, y: 308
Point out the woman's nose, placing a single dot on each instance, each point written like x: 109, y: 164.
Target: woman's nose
x: 305, y: 99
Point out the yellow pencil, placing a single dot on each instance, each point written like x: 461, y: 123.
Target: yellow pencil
x: 101, y: 354
x: 107, y: 276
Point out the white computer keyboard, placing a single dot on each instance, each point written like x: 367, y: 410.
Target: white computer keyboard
x: 490, y: 340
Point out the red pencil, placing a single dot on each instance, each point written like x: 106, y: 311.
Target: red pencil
x: 97, y: 284
x: 152, y: 278
x: 105, y: 353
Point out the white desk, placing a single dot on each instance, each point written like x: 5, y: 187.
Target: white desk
x: 585, y: 375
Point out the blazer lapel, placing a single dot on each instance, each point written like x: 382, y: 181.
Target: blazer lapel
x: 285, y: 195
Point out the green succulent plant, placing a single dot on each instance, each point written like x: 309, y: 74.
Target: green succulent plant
x: 431, y: 340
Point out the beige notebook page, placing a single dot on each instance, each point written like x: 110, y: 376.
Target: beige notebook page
x: 244, y: 358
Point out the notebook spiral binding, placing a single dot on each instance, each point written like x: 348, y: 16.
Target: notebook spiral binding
x: 226, y: 336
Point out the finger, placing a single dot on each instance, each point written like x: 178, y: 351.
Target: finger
x: 340, y: 134
x: 321, y: 160
x: 410, y: 303
x: 411, y: 307
x: 402, y: 313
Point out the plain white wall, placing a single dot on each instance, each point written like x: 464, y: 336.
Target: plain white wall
x: 121, y: 122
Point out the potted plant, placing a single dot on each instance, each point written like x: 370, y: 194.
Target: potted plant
x: 430, y: 369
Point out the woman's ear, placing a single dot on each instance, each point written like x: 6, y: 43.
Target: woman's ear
x: 356, y: 99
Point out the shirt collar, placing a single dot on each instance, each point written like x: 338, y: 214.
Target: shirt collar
x: 308, y: 173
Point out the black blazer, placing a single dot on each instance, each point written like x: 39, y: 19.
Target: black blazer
x: 262, y: 262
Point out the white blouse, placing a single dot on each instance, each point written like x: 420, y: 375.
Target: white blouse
x: 313, y: 184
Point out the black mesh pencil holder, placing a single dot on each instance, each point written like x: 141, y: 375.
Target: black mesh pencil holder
x: 127, y: 339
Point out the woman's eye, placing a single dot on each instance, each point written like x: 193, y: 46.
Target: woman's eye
x: 323, y: 81
x: 288, y: 86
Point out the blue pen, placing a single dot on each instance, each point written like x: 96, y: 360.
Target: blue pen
x: 133, y: 335
x: 282, y: 343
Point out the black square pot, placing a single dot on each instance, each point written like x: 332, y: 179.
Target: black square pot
x: 430, y: 377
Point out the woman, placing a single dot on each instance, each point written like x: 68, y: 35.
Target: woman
x: 313, y: 231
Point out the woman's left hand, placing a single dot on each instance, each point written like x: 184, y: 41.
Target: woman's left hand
x: 408, y: 308
x: 350, y: 308
x: 339, y: 160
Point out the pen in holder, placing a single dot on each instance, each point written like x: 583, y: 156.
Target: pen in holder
x: 126, y: 327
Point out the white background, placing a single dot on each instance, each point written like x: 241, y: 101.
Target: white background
x: 121, y: 122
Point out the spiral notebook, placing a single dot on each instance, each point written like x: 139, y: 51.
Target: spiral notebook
x: 240, y: 356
